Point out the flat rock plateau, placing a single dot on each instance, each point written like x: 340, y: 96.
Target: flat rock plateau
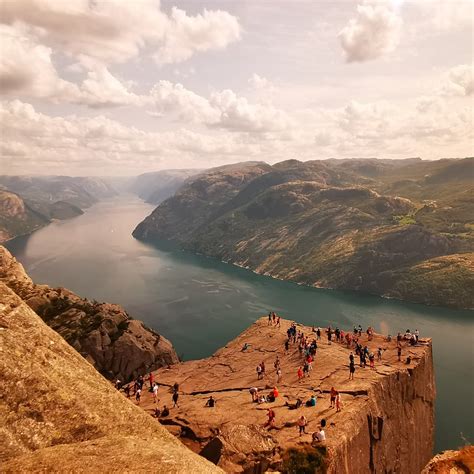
x: 386, y: 423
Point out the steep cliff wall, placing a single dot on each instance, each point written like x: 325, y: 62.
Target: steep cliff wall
x: 386, y: 423
x: 57, y: 414
x: 117, y: 345
x: 452, y: 462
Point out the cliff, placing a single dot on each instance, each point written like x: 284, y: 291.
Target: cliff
x: 402, y: 230
x: 116, y: 345
x: 452, y: 462
x: 57, y: 414
x: 386, y: 423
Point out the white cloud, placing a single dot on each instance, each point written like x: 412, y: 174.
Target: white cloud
x: 185, y: 35
x: 459, y: 81
x: 223, y: 109
x: 374, y: 32
x: 114, y: 31
x: 27, y: 67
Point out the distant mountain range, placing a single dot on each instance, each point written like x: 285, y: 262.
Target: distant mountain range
x: 399, y: 228
x: 28, y: 203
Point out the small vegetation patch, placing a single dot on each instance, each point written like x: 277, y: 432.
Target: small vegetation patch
x: 404, y: 220
x: 307, y: 460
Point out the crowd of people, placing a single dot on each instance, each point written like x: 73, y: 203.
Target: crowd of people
x: 307, y: 348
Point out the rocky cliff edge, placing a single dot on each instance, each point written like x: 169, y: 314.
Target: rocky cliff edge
x: 57, y: 414
x: 386, y: 423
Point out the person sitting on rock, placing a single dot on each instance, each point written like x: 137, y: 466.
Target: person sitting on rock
x: 294, y: 406
x: 156, y: 412
x: 319, y: 436
x: 165, y: 411
x: 262, y: 399
x: 408, y: 361
x: 312, y: 401
x: 127, y: 390
x: 211, y: 402
x: 245, y: 347
x: 271, y: 419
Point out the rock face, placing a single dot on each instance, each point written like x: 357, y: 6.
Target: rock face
x: 402, y: 230
x: 57, y: 414
x: 386, y: 423
x: 452, y: 462
x: 117, y: 346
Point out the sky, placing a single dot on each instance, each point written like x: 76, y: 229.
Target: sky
x: 121, y: 87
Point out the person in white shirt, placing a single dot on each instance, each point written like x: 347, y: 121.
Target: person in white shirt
x: 319, y: 436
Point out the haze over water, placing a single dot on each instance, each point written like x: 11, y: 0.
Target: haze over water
x: 200, y: 303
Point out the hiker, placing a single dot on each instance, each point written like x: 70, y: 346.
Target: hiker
x: 302, y: 422
x: 278, y: 322
x: 254, y: 392
x: 300, y: 374
x: 165, y: 411
x: 287, y: 345
x: 156, y: 412
x: 338, y: 402
x: 352, y: 369
x: 379, y: 354
x: 175, y: 387
x: 333, y: 394
x: 399, y: 352
x: 155, y: 392
x: 278, y: 374
x: 262, y: 399
x: 271, y: 419
x: 138, y: 395
x: 306, y: 369
x: 175, y: 399
x: 276, y: 364
x: 329, y: 332
x: 312, y: 401
x: 245, y: 347
x: 210, y: 402
x: 262, y: 365
x: 269, y: 318
x: 151, y: 379
x: 351, y: 358
x: 118, y: 384
x: 408, y: 361
x: 259, y: 372
x: 318, y: 333
x: 372, y: 360
x: 417, y: 335
x: 127, y: 390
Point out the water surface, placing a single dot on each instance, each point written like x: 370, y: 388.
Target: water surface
x: 200, y: 303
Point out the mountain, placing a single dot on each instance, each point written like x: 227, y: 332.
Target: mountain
x: 114, y: 343
x: 58, y: 414
x: 157, y: 186
x: 403, y: 229
x: 28, y: 203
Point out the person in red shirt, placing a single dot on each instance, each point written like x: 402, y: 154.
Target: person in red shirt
x: 300, y: 374
x: 151, y: 379
x: 271, y: 419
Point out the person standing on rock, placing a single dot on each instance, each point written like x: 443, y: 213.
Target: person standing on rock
x: 300, y: 374
x: 352, y: 369
x: 399, y: 352
x: 318, y: 334
x: 175, y: 399
x: 302, y: 422
x: 259, y: 372
x: 155, y: 392
x: 138, y: 395
x: 333, y: 394
x: 278, y: 374
x: 351, y: 358
x: 262, y: 365
x: 270, y: 318
x: 151, y: 379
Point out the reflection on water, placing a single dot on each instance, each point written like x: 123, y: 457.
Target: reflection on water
x: 200, y: 303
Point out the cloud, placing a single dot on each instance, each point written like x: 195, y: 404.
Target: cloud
x: 459, y: 81
x: 27, y: 67
x: 114, y: 31
x: 374, y: 32
x: 41, y: 143
x: 185, y: 35
x: 224, y: 109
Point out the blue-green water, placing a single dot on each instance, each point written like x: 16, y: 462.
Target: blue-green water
x: 200, y: 303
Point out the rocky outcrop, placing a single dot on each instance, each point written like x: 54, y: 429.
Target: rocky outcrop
x: 386, y: 423
x: 333, y: 224
x: 114, y: 343
x: 452, y: 462
x: 57, y: 414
